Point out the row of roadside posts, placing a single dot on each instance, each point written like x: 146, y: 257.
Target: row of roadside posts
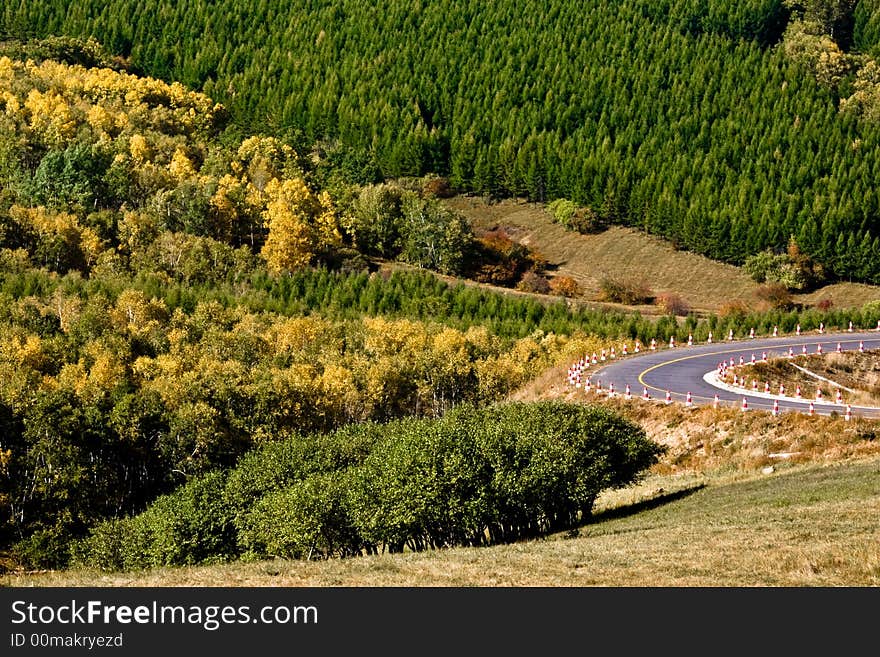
x: 577, y: 372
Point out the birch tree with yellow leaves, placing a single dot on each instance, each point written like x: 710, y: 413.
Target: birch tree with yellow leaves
x: 302, y: 225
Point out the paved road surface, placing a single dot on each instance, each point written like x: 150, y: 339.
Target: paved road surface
x: 682, y: 369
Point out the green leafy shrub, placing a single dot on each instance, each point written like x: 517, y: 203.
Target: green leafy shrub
x: 284, y: 463
x: 308, y: 520
x: 473, y: 477
x: 191, y: 525
x: 573, y: 217
x: 423, y: 487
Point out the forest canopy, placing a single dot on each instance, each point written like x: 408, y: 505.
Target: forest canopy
x: 725, y: 127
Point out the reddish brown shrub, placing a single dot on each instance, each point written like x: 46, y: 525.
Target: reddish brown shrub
x: 672, y: 304
x: 564, y: 286
x: 500, y: 260
x: 629, y: 292
x: 735, y: 308
x: 437, y: 187
x: 776, y: 295
x: 532, y: 282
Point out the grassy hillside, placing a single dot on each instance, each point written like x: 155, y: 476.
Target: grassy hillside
x: 800, y: 526
x: 629, y: 254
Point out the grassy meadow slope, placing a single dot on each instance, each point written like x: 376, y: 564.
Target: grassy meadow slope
x: 626, y: 253
x: 801, y: 526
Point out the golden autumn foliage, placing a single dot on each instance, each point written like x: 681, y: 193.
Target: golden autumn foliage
x: 147, y: 150
x: 300, y: 224
x: 77, y: 245
x: 58, y: 98
x: 299, y: 372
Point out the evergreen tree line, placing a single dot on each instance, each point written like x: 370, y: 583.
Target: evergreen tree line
x: 681, y: 117
x: 346, y: 295
x: 474, y: 477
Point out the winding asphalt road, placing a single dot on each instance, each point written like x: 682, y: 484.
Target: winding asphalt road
x: 684, y: 369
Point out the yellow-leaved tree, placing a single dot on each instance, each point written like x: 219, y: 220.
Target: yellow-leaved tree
x: 301, y: 224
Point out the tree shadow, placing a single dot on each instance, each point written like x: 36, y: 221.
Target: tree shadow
x: 651, y: 503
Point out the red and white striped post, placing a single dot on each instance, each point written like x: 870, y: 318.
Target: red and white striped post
x: 715, y: 402
x: 611, y: 389
x: 764, y: 356
x: 839, y: 397
x: 767, y: 387
x: 812, y: 410
x: 818, y: 394
x: 790, y: 352
x: 848, y: 415
x: 745, y: 405
x: 839, y: 348
x: 690, y: 340
x: 850, y: 329
x: 645, y: 395
x: 861, y: 347
x: 797, y: 393
x: 775, y: 331
x: 781, y: 390
x: 819, y: 349
x: 775, y: 407
x: 690, y: 400
x: 730, y: 335
x: 653, y: 344
x: 797, y: 331
x: 709, y: 340
x: 751, y: 332
x: 672, y: 342
x: 668, y: 397
x: 628, y: 393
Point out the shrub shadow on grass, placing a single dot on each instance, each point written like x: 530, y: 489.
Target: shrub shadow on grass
x: 645, y: 505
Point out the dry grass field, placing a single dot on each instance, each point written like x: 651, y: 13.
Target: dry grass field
x: 628, y: 254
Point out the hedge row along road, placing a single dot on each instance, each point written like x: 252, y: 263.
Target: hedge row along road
x: 684, y: 369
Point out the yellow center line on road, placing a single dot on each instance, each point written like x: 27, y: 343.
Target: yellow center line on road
x: 713, y: 353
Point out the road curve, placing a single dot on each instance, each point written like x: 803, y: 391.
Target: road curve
x: 683, y: 369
